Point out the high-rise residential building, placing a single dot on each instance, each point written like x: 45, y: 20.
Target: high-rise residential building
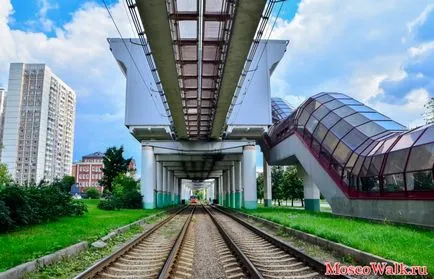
x: 88, y: 171
x: 2, y: 116
x: 38, y: 132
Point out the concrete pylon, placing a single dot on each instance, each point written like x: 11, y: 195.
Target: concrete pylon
x: 249, y: 177
x: 164, y: 194
x: 311, y: 191
x: 148, y: 181
x: 159, y: 174
x: 237, y: 194
x: 268, y: 199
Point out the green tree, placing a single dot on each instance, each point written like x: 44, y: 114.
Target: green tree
x: 5, y: 177
x: 114, y: 164
x: 293, y: 186
x: 277, y: 184
x: 93, y: 193
x: 260, y: 186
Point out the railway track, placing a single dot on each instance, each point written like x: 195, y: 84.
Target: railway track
x: 268, y: 256
x: 146, y: 255
x: 239, y: 250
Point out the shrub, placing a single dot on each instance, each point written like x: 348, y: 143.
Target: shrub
x: 5, y: 220
x: 93, y: 193
x: 76, y: 208
x: 110, y: 204
x: 132, y: 199
x: 25, y: 205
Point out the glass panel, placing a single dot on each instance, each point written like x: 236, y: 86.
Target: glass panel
x: 349, y: 102
x: 321, y: 112
x: 386, y: 145
x: 303, y: 118
x: 362, y: 108
x: 420, y: 181
x: 370, y: 129
x: 344, y: 111
x: 354, y: 139
x: 421, y: 157
x: 363, y: 146
x: 333, y: 104
x: 396, y: 161
x: 373, y: 146
x: 187, y: 29
x: 427, y: 137
x: 352, y: 160
x: 338, y: 95
x: 320, y: 132
x: 324, y: 98
x: 330, y: 120
x: 358, y: 165
x: 374, y: 116
x: 341, y: 153
x: 391, y: 125
x: 365, y: 166
x: 341, y: 128
x: 374, y: 168
x: 369, y: 184
x: 356, y: 119
x: 311, y: 124
x: 407, y: 140
x: 394, y: 183
x: 330, y: 142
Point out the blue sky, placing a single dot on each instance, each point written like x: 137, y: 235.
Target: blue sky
x: 380, y: 52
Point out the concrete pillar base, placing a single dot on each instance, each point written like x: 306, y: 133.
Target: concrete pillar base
x: 250, y: 204
x: 312, y: 205
x: 268, y: 202
x: 148, y: 205
x: 238, y: 200
x: 160, y: 203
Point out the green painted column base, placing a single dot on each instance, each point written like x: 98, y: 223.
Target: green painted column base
x: 312, y: 204
x: 250, y: 204
x: 160, y: 203
x: 148, y: 205
x: 268, y: 202
x: 237, y: 199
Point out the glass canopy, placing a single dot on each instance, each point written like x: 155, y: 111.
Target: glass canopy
x: 367, y: 153
x: 280, y: 109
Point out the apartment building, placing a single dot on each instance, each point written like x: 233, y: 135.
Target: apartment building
x: 2, y: 118
x: 38, y: 132
x: 87, y: 172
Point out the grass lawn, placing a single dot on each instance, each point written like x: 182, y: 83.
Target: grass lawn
x: 407, y: 244
x: 38, y: 240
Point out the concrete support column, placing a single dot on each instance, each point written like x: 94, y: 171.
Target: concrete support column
x: 311, y: 191
x: 268, y: 199
x: 170, y: 187
x: 164, y: 199
x: 225, y: 188
x: 179, y: 185
x: 229, y: 188
x: 237, y: 194
x: 233, y: 186
x: 148, y: 181
x: 249, y: 177
x: 159, y: 174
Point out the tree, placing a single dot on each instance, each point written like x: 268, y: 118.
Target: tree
x: 5, y: 177
x: 429, y: 113
x: 293, y: 186
x: 260, y: 186
x: 93, y: 193
x: 114, y: 164
x: 277, y: 186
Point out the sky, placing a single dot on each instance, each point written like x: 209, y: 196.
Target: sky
x: 379, y: 52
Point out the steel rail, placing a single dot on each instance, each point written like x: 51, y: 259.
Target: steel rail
x: 168, y: 264
x: 308, y: 260
x: 246, y: 263
x: 93, y: 270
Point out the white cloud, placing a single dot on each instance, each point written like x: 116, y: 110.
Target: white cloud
x: 346, y: 46
x: 80, y: 55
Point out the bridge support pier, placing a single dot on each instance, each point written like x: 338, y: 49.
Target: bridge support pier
x: 237, y: 194
x: 148, y: 181
x: 311, y: 191
x: 232, y: 187
x: 165, y: 186
x: 249, y: 177
x: 268, y: 199
x: 159, y: 174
